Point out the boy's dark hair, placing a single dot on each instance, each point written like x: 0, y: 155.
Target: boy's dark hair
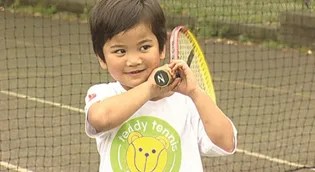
x: 110, y: 17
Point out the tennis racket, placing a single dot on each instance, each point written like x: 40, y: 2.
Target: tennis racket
x: 184, y: 46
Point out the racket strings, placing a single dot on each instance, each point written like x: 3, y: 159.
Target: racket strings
x: 186, y: 46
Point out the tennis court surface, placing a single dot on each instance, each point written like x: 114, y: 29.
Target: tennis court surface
x: 47, y: 65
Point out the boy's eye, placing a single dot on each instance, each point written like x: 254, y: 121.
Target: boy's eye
x: 120, y: 51
x: 145, y: 47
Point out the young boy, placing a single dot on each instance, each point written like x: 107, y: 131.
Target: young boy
x: 138, y: 126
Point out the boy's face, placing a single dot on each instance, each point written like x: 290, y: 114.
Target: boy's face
x: 132, y: 55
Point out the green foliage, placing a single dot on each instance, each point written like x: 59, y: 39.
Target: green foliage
x: 39, y: 8
x: 205, y: 14
x: 231, y: 11
x: 274, y: 44
x: 243, y: 38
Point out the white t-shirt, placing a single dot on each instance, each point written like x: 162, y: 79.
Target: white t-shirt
x: 164, y: 135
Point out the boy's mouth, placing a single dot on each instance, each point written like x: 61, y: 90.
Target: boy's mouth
x: 135, y: 71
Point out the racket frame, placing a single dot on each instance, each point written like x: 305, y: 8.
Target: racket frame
x: 174, y: 55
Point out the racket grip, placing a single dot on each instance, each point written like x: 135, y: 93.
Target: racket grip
x: 162, y: 78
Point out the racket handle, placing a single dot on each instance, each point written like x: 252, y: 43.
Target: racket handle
x: 162, y: 78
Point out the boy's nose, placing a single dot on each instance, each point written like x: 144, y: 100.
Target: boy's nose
x: 133, y: 60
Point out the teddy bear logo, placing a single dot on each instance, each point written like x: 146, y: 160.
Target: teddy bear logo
x: 146, y: 154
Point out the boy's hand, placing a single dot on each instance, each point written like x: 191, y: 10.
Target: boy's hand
x: 187, y: 83
x: 183, y: 82
x: 160, y: 92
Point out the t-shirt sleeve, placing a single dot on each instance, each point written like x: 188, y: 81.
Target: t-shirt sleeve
x: 206, y: 146
x: 95, y: 94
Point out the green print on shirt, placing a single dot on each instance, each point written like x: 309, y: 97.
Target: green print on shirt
x: 146, y: 144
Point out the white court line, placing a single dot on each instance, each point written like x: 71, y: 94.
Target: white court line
x: 34, y: 99
x: 13, y: 167
x: 306, y: 96
x: 276, y: 160
x: 248, y: 153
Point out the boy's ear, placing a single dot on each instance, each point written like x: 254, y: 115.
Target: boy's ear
x: 102, y: 63
x: 162, y: 55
